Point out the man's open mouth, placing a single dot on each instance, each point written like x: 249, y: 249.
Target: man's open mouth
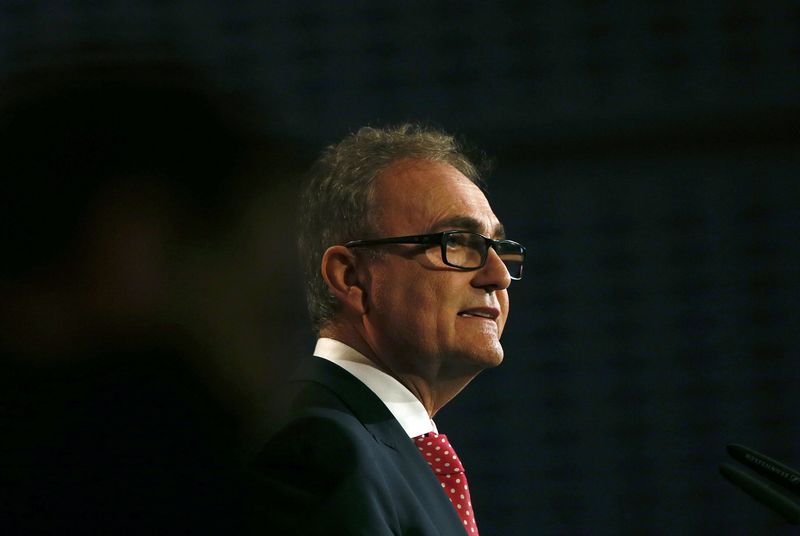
x: 487, y: 313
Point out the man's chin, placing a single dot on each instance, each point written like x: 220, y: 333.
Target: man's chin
x: 485, y: 357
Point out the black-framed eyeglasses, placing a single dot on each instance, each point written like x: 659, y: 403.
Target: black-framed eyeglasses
x: 461, y: 249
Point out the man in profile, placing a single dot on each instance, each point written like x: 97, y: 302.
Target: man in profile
x: 407, y: 271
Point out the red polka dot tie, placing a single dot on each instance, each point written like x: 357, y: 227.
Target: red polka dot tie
x: 436, y: 450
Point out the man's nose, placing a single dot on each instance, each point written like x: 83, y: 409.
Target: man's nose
x: 494, y: 273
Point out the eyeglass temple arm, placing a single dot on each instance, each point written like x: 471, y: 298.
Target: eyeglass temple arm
x: 414, y: 239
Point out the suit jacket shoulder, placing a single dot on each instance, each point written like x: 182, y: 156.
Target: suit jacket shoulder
x: 340, y: 463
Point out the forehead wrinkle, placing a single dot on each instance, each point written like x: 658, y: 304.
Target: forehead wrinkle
x: 468, y: 223
x: 461, y: 223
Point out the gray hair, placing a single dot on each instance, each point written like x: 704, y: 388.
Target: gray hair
x: 338, y: 200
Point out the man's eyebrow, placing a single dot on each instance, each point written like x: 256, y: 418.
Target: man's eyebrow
x: 468, y: 223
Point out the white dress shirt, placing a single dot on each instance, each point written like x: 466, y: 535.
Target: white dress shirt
x: 401, y: 402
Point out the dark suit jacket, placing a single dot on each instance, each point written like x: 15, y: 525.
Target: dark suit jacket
x: 340, y: 463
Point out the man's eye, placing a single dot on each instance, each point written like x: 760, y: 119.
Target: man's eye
x: 456, y: 241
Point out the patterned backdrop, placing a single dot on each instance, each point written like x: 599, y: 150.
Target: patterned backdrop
x: 646, y: 153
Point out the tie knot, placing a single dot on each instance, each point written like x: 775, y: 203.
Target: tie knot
x: 437, y: 451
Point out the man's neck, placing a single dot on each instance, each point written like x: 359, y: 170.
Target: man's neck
x: 433, y: 387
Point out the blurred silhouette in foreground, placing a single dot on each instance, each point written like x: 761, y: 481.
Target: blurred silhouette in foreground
x: 137, y: 221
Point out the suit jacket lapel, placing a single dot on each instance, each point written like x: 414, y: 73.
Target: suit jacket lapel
x: 364, y: 404
x: 380, y: 422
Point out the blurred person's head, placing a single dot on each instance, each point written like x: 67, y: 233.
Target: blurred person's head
x: 134, y: 198
x: 76, y: 137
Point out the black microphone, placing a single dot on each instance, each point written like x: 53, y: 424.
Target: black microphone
x: 776, y: 487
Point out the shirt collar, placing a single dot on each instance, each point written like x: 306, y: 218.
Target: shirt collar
x: 401, y: 402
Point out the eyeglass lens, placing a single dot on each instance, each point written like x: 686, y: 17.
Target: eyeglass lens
x: 468, y: 250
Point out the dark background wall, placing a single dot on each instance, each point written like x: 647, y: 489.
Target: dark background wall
x: 647, y: 155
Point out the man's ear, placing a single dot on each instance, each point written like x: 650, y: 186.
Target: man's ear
x: 339, y: 270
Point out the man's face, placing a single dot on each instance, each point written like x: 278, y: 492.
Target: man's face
x: 424, y: 317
